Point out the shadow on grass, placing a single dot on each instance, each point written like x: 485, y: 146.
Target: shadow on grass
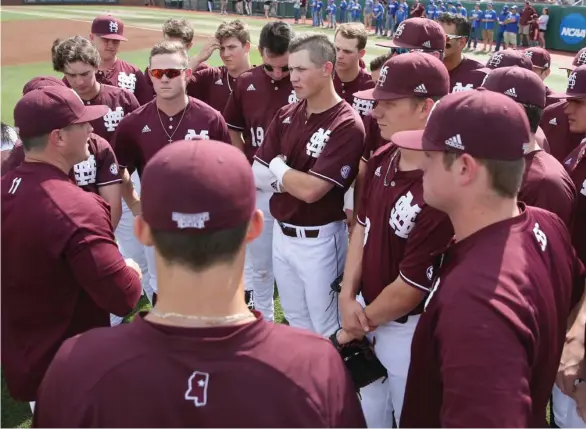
x: 14, y: 414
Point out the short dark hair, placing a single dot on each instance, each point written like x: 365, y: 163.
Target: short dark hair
x: 200, y: 251
x: 461, y: 23
x: 534, y: 114
x: 38, y: 142
x: 72, y: 50
x: 379, y: 61
x: 275, y: 37
x: 236, y: 28
x: 321, y: 49
x: 178, y: 29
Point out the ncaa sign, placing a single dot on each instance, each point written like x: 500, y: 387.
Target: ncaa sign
x: 573, y: 28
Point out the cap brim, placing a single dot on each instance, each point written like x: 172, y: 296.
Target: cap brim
x: 367, y: 94
x: 412, y: 140
x: 377, y: 94
x: 564, y: 95
x: 571, y: 68
x: 92, y: 113
x: 392, y: 44
x: 484, y: 70
x: 112, y: 37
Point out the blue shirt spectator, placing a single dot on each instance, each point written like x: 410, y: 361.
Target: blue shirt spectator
x: 461, y: 9
x: 430, y: 8
x: 490, y: 18
x: 503, y: 16
x: 392, y: 7
x: 477, y: 15
x: 513, y: 24
x: 368, y: 6
x: 320, y: 6
x: 378, y: 10
x: 401, y: 14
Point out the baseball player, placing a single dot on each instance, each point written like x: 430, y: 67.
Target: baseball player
x: 171, y: 116
x: 107, y: 32
x: 460, y: 67
x: 79, y: 276
x: 396, y: 232
x: 309, y: 158
x: 213, y: 85
x: 554, y: 122
x: 563, y: 407
x: 487, y: 346
x: 257, y: 96
x: 541, y: 60
x: 212, y: 342
x: 546, y: 184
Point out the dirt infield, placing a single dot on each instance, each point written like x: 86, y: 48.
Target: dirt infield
x: 18, y: 47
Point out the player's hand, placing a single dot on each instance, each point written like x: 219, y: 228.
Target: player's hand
x: 580, y: 398
x: 345, y: 337
x: 354, y: 319
x: 207, y: 50
x: 132, y: 264
x: 570, y: 368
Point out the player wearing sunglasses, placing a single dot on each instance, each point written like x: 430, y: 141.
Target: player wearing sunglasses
x: 460, y: 67
x: 171, y: 116
x: 213, y: 85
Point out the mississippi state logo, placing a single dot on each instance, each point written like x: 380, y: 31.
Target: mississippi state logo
x: 85, y: 172
x: 197, y: 388
x: 403, y: 215
x: 317, y: 143
x: 113, y: 118
x: 127, y: 81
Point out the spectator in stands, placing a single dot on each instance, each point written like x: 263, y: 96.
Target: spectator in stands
x: 392, y: 8
x: 512, y: 28
x: 475, y: 20
x: 542, y: 22
x: 401, y: 14
x: 534, y: 31
x: 500, y: 32
x: 524, y: 22
x: 343, y: 7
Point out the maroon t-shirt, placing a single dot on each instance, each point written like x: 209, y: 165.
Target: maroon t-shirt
x: 212, y: 85
x: 327, y: 145
x: 402, y: 233
x: 141, y: 134
x: 255, y: 100
x: 576, y: 166
x: 464, y: 77
x: 62, y: 272
x: 547, y: 185
x: 487, y: 348
x: 418, y: 10
x: 549, y: 101
x: 346, y: 90
x: 526, y: 15
x: 100, y: 169
x: 125, y: 75
x: 259, y: 374
x: 373, y: 139
x: 554, y: 123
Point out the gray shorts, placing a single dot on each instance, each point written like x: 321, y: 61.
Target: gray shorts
x: 524, y: 29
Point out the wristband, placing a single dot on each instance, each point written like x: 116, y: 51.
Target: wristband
x: 279, y: 168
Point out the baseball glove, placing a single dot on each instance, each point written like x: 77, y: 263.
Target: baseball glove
x: 359, y: 358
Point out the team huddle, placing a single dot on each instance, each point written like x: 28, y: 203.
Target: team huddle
x: 432, y: 211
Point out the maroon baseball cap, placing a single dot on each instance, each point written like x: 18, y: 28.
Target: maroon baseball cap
x: 410, y: 75
x: 507, y: 58
x: 465, y: 122
x: 539, y: 57
x: 520, y: 84
x: 108, y: 27
x: 41, y: 82
x: 43, y: 110
x: 576, y: 85
x: 197, y: 186
x: 579, y: 60
x: 417, y: 33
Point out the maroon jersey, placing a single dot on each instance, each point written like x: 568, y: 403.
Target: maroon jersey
x: 125, y: 75
x: 549, y: 101
x: 62, y: 272
x: 554, y: 123
x: 327, y: 145
x: 547, y: 185
x: 464, y: 77
x: 141, y: 134
x: 418, y: 10
x: 526, y: 15
x: 209, y: 376
x: 373, y: 139
x: 576, y: 166
x: 255, y: 100
x: 401, y: 232
x: 487, y: 348
x: 100, y: 169
x: 346, y: 90
x: 212, y: 85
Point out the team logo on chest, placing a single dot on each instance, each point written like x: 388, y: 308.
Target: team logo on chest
x: 113, y: 118
x: 85, y: 172
x: 403, y: 215
x: 292, y: 97
x: 364, y: 107
x: 127, y: 81
x: 317, y: 143
x: 192, y: 135
x: 197, y: 388
x: 458, y: 87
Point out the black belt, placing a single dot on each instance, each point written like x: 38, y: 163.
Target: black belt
x: 290, y: 231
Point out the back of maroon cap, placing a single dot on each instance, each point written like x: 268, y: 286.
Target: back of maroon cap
x: 418, y: 33
x: 539, y: 57
x: 41, y: 82
x: 108, y: 27
x: 520, y: 84
x: 576, y: 85
x: 580, y: 58
x: 508, y: 58
x: 197, y: 187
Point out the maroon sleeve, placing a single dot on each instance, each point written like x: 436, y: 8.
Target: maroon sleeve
x: 233, y: 110
x: 14, y: 159
x: 372, y: 137
x: 131, y: 102
x: 432, y: 233
x: 143, y: 91
x: 471, y: 335
x: 98, y: 266
x: 221, y: 131
x: 339, y: 161
x: 107, y: 172
x: 365, y: 192
x: 271, y: 146
x: 125, y: 147
x: 200, y: 79
x: 557, y: 199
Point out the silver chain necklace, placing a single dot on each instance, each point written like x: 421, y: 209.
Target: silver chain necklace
x: 176, y: 127
x: 221, y: 320
x: 389, y: 168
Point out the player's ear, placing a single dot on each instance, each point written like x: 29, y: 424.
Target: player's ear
x: 255, y: 226
x: 142, y: 231
x: 361, y: 53
x: 247, y: 47
x: 328, y: 69
x: 188, y: 73
x: 188, y: 46
x: 91, y: 37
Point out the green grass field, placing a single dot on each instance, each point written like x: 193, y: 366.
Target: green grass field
x: 14, y: 77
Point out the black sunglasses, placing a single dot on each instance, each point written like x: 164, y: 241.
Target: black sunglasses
x: 270, y: 68
x: 170, y: 73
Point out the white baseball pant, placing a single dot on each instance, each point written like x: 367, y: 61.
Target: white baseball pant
x: 304, y: 270
x: 564, y: 410
x: 258, y: 267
